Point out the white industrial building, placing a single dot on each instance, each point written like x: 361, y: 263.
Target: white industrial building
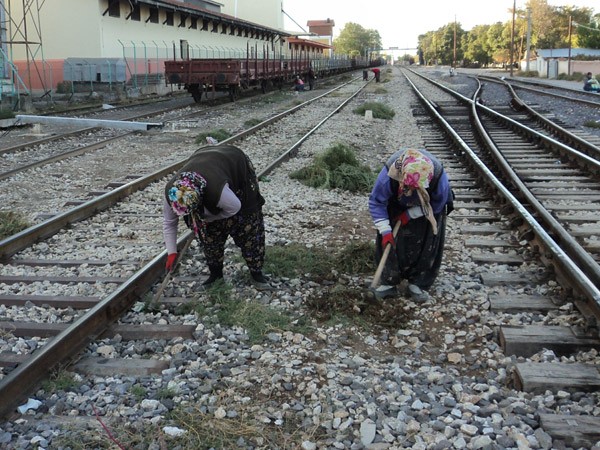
x: 46, y: 42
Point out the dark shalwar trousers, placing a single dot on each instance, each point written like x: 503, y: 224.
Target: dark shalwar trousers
x: 418, y: 254
x: 248, y: 233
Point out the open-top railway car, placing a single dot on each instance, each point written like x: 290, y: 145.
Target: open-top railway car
x: 200, y: 76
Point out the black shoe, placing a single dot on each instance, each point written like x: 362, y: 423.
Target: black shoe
x: 259, y: 277
x: 213, y: 278
x: 216, y: 273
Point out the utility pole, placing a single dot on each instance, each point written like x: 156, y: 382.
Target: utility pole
x: 454, y: 60
x: 528, y: 38
x: 512, y: 39
x: 570, y: 35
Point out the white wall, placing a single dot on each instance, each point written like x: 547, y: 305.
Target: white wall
x: 69, y: 28
x: 264, y: 12
x: 87, y: 33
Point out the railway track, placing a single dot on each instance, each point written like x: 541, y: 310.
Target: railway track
x: 547, y: 194
x: 49, y: 179
x: 441, y: 369
x: 136, y: 253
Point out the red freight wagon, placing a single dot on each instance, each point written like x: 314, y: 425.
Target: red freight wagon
x: 230, y: 75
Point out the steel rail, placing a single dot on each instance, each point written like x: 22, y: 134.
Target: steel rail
x: 586, y: 147
x: 94, y: 322
x: 537, y: 91
x: 588, y: 288
x: 19, y: 241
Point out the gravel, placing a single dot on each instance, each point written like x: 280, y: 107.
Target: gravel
x: 438, y: 381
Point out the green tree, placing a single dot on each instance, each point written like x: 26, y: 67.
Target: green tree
x: 474, y: 46
x: 354, y: 40
x: 588, y: 36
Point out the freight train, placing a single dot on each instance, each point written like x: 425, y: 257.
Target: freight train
x: 232, y: 75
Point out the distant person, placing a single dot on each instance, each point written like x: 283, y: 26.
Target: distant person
x: 298, y: 84
x: 377, y: 73
x: 365, y: 75
x: 412, y: 188
x: 590, y: 83
x: 311, y: 79
x: 216, y: 192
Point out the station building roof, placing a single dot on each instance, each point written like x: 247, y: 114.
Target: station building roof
x: 308, y: 43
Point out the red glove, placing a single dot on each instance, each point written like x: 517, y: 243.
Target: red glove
x: 386, y: 239
x: 403, y: 218
x: 171, y: 261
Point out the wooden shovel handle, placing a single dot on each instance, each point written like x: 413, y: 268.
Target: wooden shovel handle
x: 169, y: 275
x: 384, y: 257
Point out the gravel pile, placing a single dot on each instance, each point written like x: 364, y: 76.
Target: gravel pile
x: 438, y: 381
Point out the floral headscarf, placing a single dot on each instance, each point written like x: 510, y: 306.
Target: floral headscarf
x: 186, y: 196
x: 186, y: 193
x: 414, y: 171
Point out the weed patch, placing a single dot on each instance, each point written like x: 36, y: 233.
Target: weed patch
x: 252, y: 123
x: 380, y: 111
x: 60, y: 381
x: 592, y: 124
x: 11, y: 223
x: 6, y: 114
x: 336, y: 168
x: 218, y: 134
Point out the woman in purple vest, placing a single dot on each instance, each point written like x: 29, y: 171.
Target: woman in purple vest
x: 413, y: 189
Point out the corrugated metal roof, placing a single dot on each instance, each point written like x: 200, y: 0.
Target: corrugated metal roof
x: 564, y: 52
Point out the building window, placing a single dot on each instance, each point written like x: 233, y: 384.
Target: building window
x: 169, y: 19
x: 135, y: 13
x: 114, y: 8
x: 215, y: 28
x: 194, y: 23
x: 152, y: 15
x: 205, y: 23
x: 182, y: 20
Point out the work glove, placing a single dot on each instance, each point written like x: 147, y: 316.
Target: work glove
x: 171, y: 261
x: 403, y: 218
x: 388, y: 238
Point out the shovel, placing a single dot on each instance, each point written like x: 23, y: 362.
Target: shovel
x: 169, y: 275
x: 384, y: 257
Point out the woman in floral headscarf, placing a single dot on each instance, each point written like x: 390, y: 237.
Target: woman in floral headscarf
x: 412, y: 188
x: 216, y: 192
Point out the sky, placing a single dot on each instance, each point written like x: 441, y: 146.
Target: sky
x: 400, y: 22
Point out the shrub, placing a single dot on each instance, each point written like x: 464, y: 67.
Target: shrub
x: 252, y: 122
x: 592, y: 124
x: 337, y: 168
x: 219, y: 134
x: 64, y: 87
x: 380, y: 111
x: 11, y: 223
x: 6, y: 114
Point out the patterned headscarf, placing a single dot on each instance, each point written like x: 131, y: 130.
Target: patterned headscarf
x: 414, y: 171
x: 186, y: 193
x: 186, y: 196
